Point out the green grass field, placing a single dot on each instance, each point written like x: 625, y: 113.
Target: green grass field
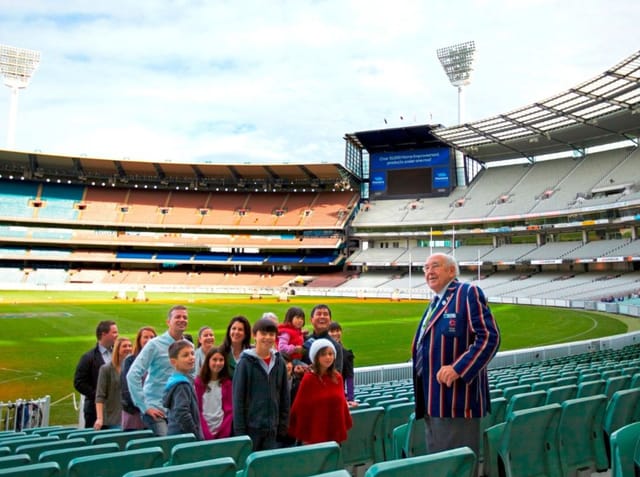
x: 44, y: 333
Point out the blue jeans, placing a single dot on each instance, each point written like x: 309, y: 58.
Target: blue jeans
x: 158, y: 426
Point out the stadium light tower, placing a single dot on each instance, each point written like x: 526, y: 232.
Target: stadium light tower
x: 17, y: 66
x: 457, y: 61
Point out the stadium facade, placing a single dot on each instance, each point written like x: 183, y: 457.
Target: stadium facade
x: 548, y: 210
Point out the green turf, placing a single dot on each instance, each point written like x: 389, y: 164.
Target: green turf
x: 44, y: 333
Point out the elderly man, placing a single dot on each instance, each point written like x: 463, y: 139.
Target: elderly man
x: 455, y: 341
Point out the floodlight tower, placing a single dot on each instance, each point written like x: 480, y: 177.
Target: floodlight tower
x: 457, y: 61
x: 17, y: 66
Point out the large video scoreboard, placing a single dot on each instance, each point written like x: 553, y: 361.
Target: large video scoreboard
x: 426, y: 172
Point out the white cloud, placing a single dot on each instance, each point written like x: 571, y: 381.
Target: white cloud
x: 285, y: 80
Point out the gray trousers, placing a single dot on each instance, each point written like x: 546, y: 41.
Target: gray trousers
x: 448, y: 433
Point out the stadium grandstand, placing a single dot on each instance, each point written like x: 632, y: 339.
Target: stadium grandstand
x: 543, y: 208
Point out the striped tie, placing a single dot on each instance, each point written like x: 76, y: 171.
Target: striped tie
x: 425, y: 322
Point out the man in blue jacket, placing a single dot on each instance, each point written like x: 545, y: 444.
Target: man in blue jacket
x: 455, y: 341
x: 154, y: 366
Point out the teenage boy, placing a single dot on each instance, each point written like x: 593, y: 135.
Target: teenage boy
x: 179, y: 398
x: 260, y: 390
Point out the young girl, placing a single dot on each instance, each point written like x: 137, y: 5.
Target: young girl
x: 214, y: 393
x: 108, y: 403
x: 320, y: 412
x: 290, y: 334
x: 206, y: 340
x: 335, y: 331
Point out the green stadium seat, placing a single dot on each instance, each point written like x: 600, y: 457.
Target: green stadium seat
x: 237, y: 447
x: 621, y: 410
x: 300, y: 461
x: 120, y: 438
x: 544, y: 385
x: 365, y: 440
x: 580, y: 435
x: 220, y: 467
x: 525, y: 401
x: 116, y: 464
x: 34, y: 450
x: 13, y: 444
x: 394, y: 416
x: 44, y: 430
x: 459, y: 462
x: 14, y: 460
x: 537, y: 427
x: 616, y: 383
x: 5, y: 451
x: 559, y: 394
x: 87, y: 434
x: 166, y: 443
x: 513, y: 390
x: 63, y: 456
x: 46, y: 469
x: 624, y: 443
x: 591, y: 388
x: 409, y: 439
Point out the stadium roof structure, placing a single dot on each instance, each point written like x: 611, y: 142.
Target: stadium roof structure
x: 203, y: 176
x: 602, y: 110
x: 396, y: 139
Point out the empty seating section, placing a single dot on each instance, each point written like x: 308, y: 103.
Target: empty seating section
x: 16, y: 198
x: 144, y: 206
x: 184, y: 208
x: 102, y: 205
x: 59, y: 202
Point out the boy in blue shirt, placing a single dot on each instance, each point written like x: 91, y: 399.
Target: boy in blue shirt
x: 179, y: 398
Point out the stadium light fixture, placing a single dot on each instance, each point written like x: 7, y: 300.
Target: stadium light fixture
x: 17, y: 66
x: 457, y: 61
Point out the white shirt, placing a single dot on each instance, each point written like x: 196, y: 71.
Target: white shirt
x: 212, y: 406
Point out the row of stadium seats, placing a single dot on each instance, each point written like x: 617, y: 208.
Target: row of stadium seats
x: 598, y: 179
x: 86, y: 204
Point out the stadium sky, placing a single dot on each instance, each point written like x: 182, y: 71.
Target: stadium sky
x: 283, y: 81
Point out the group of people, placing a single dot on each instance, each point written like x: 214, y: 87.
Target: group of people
x: 291, y: 385
x: 266, y: 390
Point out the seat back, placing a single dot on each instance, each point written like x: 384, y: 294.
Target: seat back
x: 623, y: 447
x: 300, y: 461
x: 591, y: 388
x: 237, y: 447
x: 526, y: 401
x: 14, y: 460
x: 34, y: 450
x: 394, y: 416
x: 460, y: 462
x: 166, y: 443
x: 561, y: 393
x: 616, y: 383
x: 580, y: 434
x: 538, y: 428
x: 365, y: 440
x: 121, y: 438
x: 620, y: 411
x: 221, y: 467
x: 43, y: 469
x: 115, y: 464
x: 63, y: 456
x: 13, y: 444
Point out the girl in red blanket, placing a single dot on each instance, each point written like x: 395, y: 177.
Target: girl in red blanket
x: 320, y: 412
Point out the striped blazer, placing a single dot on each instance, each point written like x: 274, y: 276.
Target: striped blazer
x: 462, y: 332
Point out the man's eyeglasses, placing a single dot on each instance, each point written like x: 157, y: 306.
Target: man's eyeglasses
x: 433, y: 266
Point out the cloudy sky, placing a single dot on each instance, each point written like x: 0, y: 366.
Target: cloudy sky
x: 284, y: 80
